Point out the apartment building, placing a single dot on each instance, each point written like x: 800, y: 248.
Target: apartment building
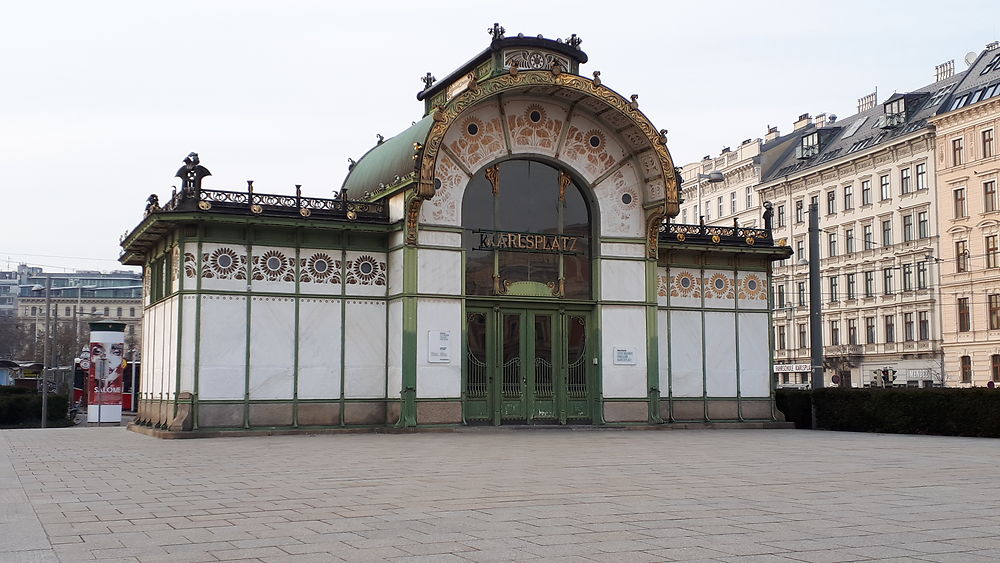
x: 968, y: 171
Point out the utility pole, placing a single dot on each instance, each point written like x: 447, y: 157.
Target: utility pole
x: 815, y: 300
x: 46, y: 349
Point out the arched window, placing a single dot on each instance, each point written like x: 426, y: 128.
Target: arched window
x: 527, y: 232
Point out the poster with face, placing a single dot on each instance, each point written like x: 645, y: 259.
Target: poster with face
x: 107, y: 348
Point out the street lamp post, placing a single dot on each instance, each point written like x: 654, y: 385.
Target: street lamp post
x: 713, y: 177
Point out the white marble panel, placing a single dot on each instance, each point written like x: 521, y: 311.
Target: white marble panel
x: 397, y: 207
x: 396, y: 238
x: 445, y: 208
x: 752, y: 290
x: 365, y: 273
x: 224, y: 266
x: 684, y: 287
x: 320, y: 271
x: 145, y: 383
x: 364, y: 349
x: 175, y: 269
x: 222, y: 350
x: 394, y: 375
x: 439, y: 380
x: 624, y: 326
x: 662, y: 318
x: 395, y: 273
x: 535, y: 125
x: 619, y: 197
x: 173, y: 308
x: 623, y: 280
x: 686, y: 377
x: 719, y: 287
x: 628, y: 250
x: 662, y: 287
x: 163, y: 346
x: 154, y: 370
x: 439, y: 238
x: 439, y: 272
x: 319, y: 348
x: 273, y: 269
x: 755, y: 355
x: 189, y: 323
x: 272, y: 347
x: 720, y: 354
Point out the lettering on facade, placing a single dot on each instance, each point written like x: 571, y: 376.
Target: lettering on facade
x: 531, y: 242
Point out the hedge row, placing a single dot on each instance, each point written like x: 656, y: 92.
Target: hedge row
x: 946, y: 412
x: 23, y: 407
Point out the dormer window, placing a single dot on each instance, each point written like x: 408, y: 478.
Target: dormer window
x: 895, y: 113
x: 808, y: 147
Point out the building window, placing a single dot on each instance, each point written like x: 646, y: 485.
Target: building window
x: 107, y: 311
x: 908, y: 327
x: 869, y: 237
x: 131, y: 311
x: 34, y: 311
x: 803, y: 336
x: 961, y: 256
x: 851, y: 286
x: 923, y: 326
x: 852, y: 331
x: 964, y: 315
x: 957, y: 147
x: 849, y: 196
x: 994, y: 305
x: 922, y: 225
x: 814, y: 201
x: 921, y: 172
x: 835, y: 333
x: 887, y: 281
x: 684, y: 215
x: 781, y: 337
x: 959, y: 198
x: 904, y: 180
x: 800, y: 211
x: 131, y: 330
x: 890, y: 328
x: 907, y: 228
x: 992, y: 255
x: 866, y: 192
x: 887, y: 233
x: 832, y: 244
x: 989, y: 196
x: 708, y: 211
x: 988, y: 143
x: 883, y: 182
x: 119, y: 312
x: 849, y: 235
x: 781, y: 296
x: 995, y: 367
x: 801, y: 290
x: 93, y: 309
x: 921, y: 275
x: 869, y: 330
x: 907, y: 277
x: 732, y: 202
x: 831, y: 202
x: 834, y: 287
x: 966, y: 369
x: 721, y: 208
x: 869, y: 284
x: 67, y: 311
x: 781, y: 215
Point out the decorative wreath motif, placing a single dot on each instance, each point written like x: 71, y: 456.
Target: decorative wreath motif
x: 225, y: 264
x: 190, y: 265
x: 273, y: 265
x: 720, y: 286
x: 320, y: 268
x: 686, y: 284
x: 752, y: 287
x: 365, y: 270
x: 661, y: 286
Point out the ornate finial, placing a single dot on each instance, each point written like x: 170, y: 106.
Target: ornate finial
x: 496, y: 31
x: 152, y: 204
x: 298, y: 190
x: 556, y: 68
x: 350, y: 164
x: 634, y: 104
x: 597, y: 78
x: 663, y: 136
x: 574, y: 41
x: 513, y: 69
x: 250, y: 186
x: 428, y: 80
x: 191, y: 174
x: 380, y: 138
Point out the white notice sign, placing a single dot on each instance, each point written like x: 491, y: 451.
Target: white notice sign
x: 623, y: 356
x: 439, y: 346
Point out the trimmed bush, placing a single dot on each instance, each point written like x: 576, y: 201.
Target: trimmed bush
x: 947, y: 412
x: 23, y: 407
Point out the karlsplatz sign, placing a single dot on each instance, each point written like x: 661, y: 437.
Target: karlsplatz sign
x: 529, y: 242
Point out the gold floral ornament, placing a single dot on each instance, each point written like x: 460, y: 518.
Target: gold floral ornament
x: 720, y: 286
x: 752, y: 287
x: 320, y: 267
x: 685, y: 285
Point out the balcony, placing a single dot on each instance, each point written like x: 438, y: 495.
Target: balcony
x: 674, y: 233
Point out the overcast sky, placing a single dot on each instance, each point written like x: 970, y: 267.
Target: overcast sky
x: 100, y: 101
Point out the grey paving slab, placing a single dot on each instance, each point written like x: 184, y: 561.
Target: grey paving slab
x: 715, y: 495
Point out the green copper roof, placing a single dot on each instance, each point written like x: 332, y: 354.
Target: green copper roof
x: 389, y: 163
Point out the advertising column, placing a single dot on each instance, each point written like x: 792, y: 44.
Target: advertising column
x: 107, y: 368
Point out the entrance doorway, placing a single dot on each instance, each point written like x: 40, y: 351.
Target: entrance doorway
x: 527, y: 366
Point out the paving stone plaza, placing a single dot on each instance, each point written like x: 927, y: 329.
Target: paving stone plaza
x: 479, y: 495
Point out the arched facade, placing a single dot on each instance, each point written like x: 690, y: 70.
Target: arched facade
x: 508, y: 259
